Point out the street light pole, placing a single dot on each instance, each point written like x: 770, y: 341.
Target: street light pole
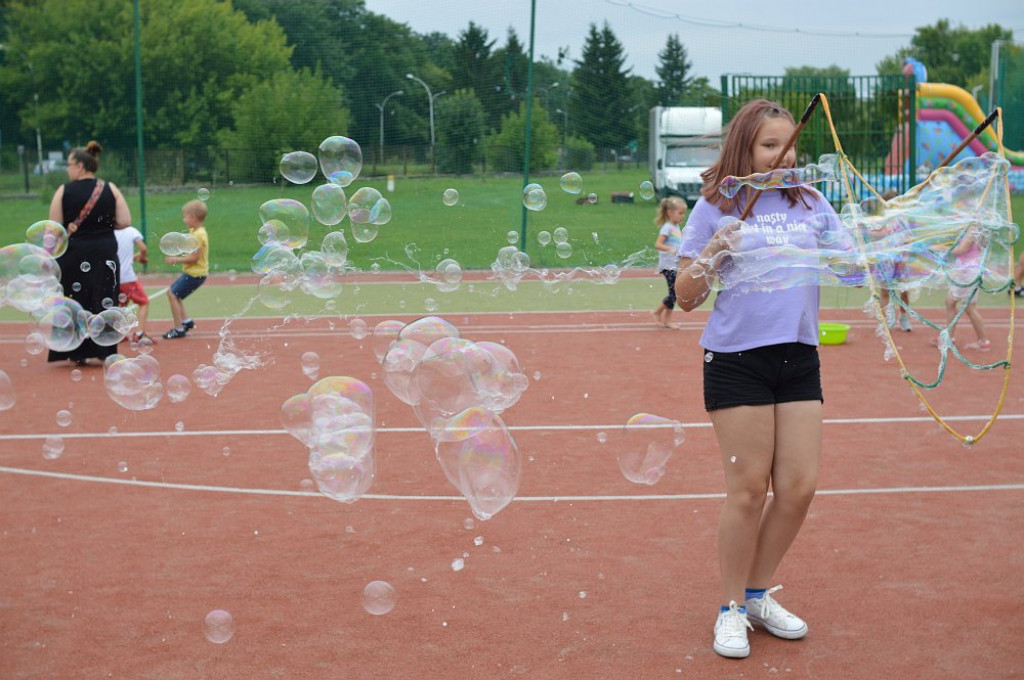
x: 430, y: 98
x: 381, y: 107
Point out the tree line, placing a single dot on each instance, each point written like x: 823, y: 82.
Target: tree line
x: 273, y: 75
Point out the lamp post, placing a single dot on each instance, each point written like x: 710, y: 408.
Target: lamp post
x: 381, y: 107
x: 430, y: 98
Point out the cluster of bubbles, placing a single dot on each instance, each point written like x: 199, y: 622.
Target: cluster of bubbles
x: 458, y: 388
x: 560, y: 237
x: 334, y: 419
x: 30, y: 282
x: 825, y: 170
x: 904, y: 245
x: 648, y: 443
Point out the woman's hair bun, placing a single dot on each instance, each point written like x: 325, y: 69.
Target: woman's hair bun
x: 94, y: 148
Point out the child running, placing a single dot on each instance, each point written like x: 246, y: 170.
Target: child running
x: 196, y: 266
x: 671, y: 212
x: 762, y: 380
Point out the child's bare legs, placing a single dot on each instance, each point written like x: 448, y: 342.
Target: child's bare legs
x: 951, y: 305
x: 781, y: 443
x: 977, y: 322
x: 177, y: 309
x: 666, y: 317
x: 142, y: 315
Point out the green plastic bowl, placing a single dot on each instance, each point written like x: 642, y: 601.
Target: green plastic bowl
x: 832, y: 333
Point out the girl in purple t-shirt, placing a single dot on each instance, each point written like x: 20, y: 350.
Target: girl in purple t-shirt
x: 762, y: 381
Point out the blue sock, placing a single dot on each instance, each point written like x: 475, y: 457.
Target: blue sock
x: 742, y: 609
x: 755, y: 593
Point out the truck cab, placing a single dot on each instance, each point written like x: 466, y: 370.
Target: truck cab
x: 684, y: 142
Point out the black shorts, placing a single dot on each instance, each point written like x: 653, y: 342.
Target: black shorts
x: 764, y: 375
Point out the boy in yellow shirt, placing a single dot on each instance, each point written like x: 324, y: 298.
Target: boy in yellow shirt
x: 195, y: 268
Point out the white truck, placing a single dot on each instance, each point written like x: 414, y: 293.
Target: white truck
x: 684, y: 142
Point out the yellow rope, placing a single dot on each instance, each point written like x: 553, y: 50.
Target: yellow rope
x: 847, y: 167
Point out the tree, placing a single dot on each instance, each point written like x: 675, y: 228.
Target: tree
x: 460, y: 129
x: 509, y: 68
x: 673, y: 72
x: 77, y: 55
x: 506, y: 149
x: 600, y: 102
x: 267, y: 123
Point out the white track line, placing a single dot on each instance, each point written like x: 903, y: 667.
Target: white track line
x: 518, y: 499
x: 513, y: 428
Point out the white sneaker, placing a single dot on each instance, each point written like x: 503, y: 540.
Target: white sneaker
x: 731, y: 633
x: 905, y: 323
x: 773, y: 617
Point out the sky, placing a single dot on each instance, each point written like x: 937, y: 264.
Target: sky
x: 773, y: 35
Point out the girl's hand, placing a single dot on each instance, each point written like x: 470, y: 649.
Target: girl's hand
x: 726, y: 239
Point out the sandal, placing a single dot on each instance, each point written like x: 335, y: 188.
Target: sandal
x: 980, y: 345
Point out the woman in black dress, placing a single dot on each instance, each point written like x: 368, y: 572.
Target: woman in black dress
x: 90, y: 209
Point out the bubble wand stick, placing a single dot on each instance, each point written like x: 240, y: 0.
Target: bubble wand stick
x: 782, y: 154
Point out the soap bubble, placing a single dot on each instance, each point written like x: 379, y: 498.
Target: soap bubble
x: 8, y: 397
x: 378, y: 597
x: 298, y: 167
x: 134, y: 383
x: 571, y: 183
x: 450, y: 197
x: 310, y: 364
x: 219, y: 626
x: 335, y: 248
x: 534, y: 197
x: 646, y: 190
x: 341, y: 160
x: 544, y: 237
x: 329, y: 204
x: 648, y: 444
x: 178, y: 388
x: 384, y: 333
x: 480, y: 458
x: 62, y: 324
x: 367, y: 206
x: 53, y: 447
x: 203, y: 194
x: 290, y: 217
x: 449, y: 275
x: 49, y: 235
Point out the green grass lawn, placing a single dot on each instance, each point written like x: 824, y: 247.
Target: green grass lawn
x: 471, y: 232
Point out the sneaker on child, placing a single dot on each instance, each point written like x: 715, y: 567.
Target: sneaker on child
x: 178, y: 332
x: 905, y: 323
x: 764, y: 611
x: 731, y: 633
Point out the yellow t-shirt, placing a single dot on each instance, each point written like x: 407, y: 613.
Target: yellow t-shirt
x: 200, y: 267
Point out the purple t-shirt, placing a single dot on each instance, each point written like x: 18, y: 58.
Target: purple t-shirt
x: 745, y: 316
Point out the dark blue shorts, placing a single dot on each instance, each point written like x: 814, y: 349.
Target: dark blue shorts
x: 185, y: 285
x: 764, y: 375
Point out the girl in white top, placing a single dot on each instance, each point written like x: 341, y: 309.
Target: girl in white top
x: 671, y: 212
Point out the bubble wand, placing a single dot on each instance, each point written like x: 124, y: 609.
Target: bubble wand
x: 845, y: 164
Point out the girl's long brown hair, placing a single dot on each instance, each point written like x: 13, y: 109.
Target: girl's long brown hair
x: 737, y: 154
